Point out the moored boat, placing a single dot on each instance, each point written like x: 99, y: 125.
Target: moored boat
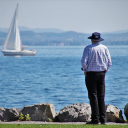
x: 13, y: 45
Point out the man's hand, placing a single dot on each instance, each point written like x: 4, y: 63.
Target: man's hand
x: 85, y: 73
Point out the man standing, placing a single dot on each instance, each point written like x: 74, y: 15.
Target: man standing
x: 95, y: 62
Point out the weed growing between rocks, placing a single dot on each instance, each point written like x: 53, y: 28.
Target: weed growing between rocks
x: 23, y: 117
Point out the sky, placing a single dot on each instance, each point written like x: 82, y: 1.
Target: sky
x: 84, y: 16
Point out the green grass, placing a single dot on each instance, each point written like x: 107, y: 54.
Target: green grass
x: 60, y: 126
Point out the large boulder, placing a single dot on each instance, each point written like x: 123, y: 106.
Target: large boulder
x: 11, y: 114
x: 114, y: 114
x: 126, y: 111
x: 40, y: 112
x: 75, y: 113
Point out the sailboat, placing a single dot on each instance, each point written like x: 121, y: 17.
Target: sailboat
x: 13, y: 45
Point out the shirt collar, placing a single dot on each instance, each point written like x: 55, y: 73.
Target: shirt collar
x: 95, y: 43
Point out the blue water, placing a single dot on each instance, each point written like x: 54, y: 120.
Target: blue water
x: 54, y: 76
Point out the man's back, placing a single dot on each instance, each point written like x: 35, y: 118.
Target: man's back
x: 96, y: 57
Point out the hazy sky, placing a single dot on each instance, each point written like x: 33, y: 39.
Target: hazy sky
x: 84, y: 16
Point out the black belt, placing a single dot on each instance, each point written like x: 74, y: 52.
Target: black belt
x: 96, y: 71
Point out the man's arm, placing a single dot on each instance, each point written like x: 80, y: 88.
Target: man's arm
x: 84, y: 60
x: 109, y: 60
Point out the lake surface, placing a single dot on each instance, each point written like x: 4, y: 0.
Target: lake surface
x: 54, y: 76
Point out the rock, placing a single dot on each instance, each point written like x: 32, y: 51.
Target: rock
x: 114, y: 114
x: 11, y: 114
x: 75, y: 113
x: 56, y: 119
x: 126, y: 111
x: 40, y: 112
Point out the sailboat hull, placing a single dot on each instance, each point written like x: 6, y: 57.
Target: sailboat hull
x: 18, y: 53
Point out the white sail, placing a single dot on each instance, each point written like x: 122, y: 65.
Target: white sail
x: 13, y: 41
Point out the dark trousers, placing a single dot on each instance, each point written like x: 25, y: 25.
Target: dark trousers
x: 95, y: 82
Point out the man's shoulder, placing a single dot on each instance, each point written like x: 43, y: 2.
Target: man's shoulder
x: 103, y: 46
x: 88, y: 46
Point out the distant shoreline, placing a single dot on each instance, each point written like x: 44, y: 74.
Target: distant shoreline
x: 68, y: 38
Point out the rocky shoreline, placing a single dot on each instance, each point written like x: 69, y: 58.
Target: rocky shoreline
x: 72, y: 113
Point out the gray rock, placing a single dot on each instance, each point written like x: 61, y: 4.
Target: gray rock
x: 11, y: 114
x: 126, y: 111
x: 40, y: 112
x: 75, y: 113
x: 114, y: 114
